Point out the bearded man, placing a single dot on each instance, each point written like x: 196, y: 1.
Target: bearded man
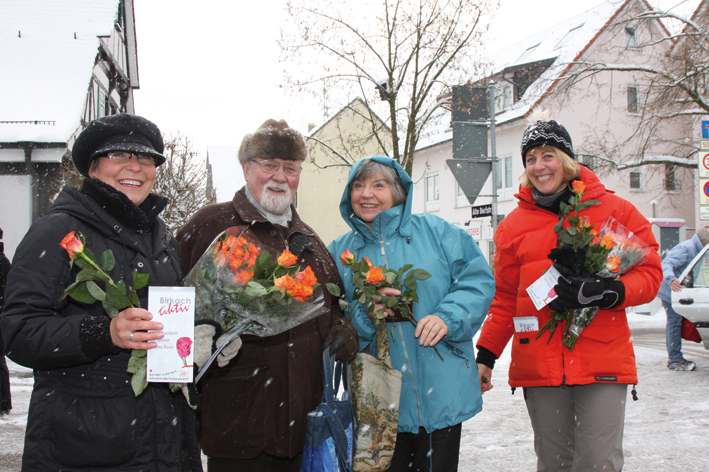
x: 254, y: 404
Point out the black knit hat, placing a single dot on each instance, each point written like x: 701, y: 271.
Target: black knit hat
x: 274, y: 139
x: 546, y: 133
x: 121, y: 132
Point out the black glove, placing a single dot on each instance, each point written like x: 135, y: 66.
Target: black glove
x: 568, y: 262
x: 343, y: 341
x: 578, y: 292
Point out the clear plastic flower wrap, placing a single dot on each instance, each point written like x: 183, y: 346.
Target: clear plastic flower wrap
x: 243, y: 287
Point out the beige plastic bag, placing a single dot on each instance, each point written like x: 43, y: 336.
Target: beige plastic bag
x: 375, y: 388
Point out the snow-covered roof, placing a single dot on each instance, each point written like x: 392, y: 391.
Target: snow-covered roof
x: 562, y: 43
x: 47, y: 51
x: 227, y: 174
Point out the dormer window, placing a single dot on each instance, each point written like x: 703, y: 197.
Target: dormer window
x: 525, y: 55
x: 567, y: 37
x: 630, y: 40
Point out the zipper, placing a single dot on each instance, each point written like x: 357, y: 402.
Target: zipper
x: 381, y: 243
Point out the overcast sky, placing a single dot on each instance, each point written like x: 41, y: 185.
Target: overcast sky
x: 211, y: 70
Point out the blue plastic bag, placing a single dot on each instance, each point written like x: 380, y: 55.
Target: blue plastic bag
x: 329, y: 429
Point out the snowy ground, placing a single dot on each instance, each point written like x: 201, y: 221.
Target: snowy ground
x: 666, y: 430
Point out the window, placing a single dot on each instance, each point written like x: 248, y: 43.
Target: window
x: 670, y: 181
x: 102, y: 105
x: 504, y: 172
x: 525, y: 55
x: 567, y: 37
x: 630, y: 39
x: 503, y: 96
x: 432, y: 193
x: 635, y: 180
x: 632, y: 99
x: 588, y: 160
x: 460, y: 199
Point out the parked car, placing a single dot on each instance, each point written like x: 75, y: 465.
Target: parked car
x: 692, y: 301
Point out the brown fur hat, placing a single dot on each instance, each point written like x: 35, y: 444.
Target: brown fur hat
x: 274, y: 139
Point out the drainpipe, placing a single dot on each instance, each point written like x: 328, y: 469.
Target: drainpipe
x: 35, y: 181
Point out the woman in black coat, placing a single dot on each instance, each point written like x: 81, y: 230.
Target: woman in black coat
x: 83, y: 413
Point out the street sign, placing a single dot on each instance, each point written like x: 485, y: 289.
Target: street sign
x: 703, y: 192
x: 704, y: 164
x: 704, y: 213
x: 482, y: 210
x: 705, y: 129
x: 471, y: 175
x: 704, y: 145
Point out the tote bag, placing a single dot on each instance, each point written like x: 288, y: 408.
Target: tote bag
x: 329, y: 429
x: 375, y: 388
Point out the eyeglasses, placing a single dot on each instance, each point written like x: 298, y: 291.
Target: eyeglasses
x: 121, y: 157
x: 271, y: 167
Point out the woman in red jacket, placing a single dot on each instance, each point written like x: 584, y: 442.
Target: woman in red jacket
x: 575, y: 398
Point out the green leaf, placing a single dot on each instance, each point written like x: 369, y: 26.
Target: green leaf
x: 116, y: 295
x: 410, y: 283
x: 174, y: 387
x: 559, y: 226
x: 565, y: 209
x: 82, y: 263
x: 254, y: 289
x: 393, y: 333
x: 110, y: 309
x: 390, y: 277
x: 363, y: 298
x: 343, y: 305
x: 89, y: 254
x: 334, y: 289
x: 420, y: 274
x: 139, y: 380
x: 95, y: 290
x: 86, y: 274
x: 139, y: 280
x: 404, y: 269
x: 81, y: 294
x: 107, y: 260
x: 565, y: 238
x: 572, y: 230
x: 391, y: 302
x: 133, y: 297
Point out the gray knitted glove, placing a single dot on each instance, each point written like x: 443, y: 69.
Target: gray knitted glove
x: 229, y: 351
x: 204, y: 335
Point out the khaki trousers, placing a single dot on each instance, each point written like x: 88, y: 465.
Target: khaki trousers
x: 578, y: 428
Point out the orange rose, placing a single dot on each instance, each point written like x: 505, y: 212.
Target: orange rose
x: 613, y: 263
x: 584, y: 222
x: 374, y: 275
x: 608, y: 242
x: 307, y: 277
x: 578, y: 187
x: 347, y: 257
x: 284, y: 283
x: 369, y: 263
x: 300, y: 291
x: 287, y: 259
x: 72, y: 244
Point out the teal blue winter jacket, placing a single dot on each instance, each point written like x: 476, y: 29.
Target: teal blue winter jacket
x: 435, y: 394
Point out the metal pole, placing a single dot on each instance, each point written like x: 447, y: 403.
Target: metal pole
x: 493, y: 152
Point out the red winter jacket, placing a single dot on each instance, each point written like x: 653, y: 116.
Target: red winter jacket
x: 604, y: 351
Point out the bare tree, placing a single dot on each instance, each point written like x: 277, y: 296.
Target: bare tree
x: 183, y: 180
x: 402, y: 54
x: 668, y: 95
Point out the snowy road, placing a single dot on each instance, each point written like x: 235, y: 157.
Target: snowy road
x: 666, y: 430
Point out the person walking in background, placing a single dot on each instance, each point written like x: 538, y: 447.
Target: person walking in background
x: 673, y: 265
x: 254, y: 403
x: 83, y: 413
x: 575, y: 397
x: 437, y: 395
x: 5, y: 397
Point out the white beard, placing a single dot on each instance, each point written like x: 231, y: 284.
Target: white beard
x: 277, y: 204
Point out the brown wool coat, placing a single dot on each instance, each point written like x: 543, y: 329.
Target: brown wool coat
x: 259, y: 401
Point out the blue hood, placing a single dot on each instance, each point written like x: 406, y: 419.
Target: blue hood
x: 353, y: 220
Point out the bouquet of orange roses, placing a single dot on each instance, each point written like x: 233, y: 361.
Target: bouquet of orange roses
x: 368, y: 279
x: 247, y: 290
x: 608, y: 252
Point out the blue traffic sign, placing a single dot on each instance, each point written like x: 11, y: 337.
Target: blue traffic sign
x: 705, y: 129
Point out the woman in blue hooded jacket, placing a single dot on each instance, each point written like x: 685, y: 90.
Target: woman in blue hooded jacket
x: 436, y: 395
